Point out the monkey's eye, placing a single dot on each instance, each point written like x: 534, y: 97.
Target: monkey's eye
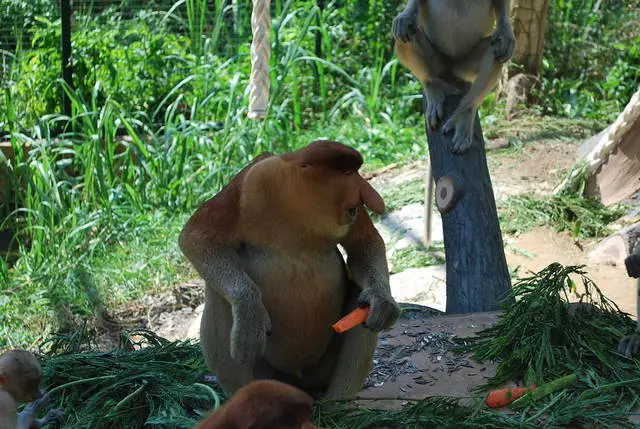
x: 303, y: 166
x: 349, y: 172
x: 352, y: 213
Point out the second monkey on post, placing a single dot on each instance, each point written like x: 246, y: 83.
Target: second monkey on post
x: 436, y: 38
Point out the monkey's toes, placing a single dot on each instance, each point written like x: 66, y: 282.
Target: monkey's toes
x: 433, y: 117
x: 461, y: 144
x: 448, y: 126
x: 629, y: 346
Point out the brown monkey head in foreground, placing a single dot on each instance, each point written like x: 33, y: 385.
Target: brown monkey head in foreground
x: 267, y: 248
x: 20, y: 375
x: 263, y: 404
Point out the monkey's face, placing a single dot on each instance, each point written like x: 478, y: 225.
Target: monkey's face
x: 24, y: 389
x: 326, y: 187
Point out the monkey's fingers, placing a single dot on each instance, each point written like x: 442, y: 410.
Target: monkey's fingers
x: 630, y: 345
x: 52, y: 416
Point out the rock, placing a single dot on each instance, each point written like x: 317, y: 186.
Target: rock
x: 425, y: 286
x: 614, y: 249
x: 194, y: 323
x: 518, y: 89
x: 409, y: 222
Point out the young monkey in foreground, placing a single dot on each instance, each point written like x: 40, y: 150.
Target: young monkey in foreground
x: 263, y: 404
x: 20, y: 376
x: 434, y: 38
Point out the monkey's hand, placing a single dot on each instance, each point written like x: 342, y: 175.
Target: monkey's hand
x: 251, y: 327
x: 503, y: 42
x: 383, y: 309
x: 404, y: 26
x: 52, y: 416
x: 630, y: 345
x: 27, y: 417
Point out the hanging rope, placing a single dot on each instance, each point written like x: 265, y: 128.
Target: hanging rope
x: 260, y: 53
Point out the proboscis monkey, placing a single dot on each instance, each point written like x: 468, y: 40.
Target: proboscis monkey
x: 263, y: 404
x: 20, y: 376
x: 266, y: 246
x: 437, y: 37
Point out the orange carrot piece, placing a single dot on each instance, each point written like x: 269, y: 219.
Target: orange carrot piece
x: 351, y: 320
x: 502, y: 397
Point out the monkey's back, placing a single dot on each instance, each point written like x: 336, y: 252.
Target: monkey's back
x: 303, y: 294
x: 455, y: 26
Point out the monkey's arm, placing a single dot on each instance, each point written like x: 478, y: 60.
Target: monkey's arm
x: 210, y: 241
x: 503, y: 39
x: 27, y: 417
x: 368, y: 268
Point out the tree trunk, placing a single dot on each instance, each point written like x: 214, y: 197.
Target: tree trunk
x: 477, y: 274
x: 529, y: 20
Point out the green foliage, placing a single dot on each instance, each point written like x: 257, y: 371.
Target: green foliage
x: 415, y: 257
x: 541, y: 338
x: 591, y: 65
x: 440, y: 412
x: 159, y: 385
x: 582, y: 216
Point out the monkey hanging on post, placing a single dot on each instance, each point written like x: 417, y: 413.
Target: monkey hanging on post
x: 437, y: 38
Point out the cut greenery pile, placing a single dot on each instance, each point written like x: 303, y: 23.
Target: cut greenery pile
x: 159, y: 385
x: 538, y: 339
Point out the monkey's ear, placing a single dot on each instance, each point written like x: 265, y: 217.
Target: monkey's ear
x: 328, y: 154
x: 371, y: 198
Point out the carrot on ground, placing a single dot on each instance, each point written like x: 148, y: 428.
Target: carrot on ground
x: 351, y: 320
x: 502, y: 397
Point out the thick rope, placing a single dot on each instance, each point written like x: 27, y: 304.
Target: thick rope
x: 260, y: 53
x: 607, y: 142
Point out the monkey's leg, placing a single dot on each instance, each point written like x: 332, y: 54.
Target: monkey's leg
x: 426, y: 64
x: 354, y: 363
x: 482, y: 64
x: 215, y: 339
x: 349, y: 356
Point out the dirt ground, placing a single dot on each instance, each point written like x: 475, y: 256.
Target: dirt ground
x: 414, y: 359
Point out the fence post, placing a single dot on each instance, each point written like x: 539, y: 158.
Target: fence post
x: 67, y: 74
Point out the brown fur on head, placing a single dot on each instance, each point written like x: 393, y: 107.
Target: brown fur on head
x: 20, y: 375
x: 319, y: 182
x: 263, y: 404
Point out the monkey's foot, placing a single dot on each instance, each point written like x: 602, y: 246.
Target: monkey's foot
x: 463, y: 126
x: 630, y: 345
x: 404, y: 26
x: 434, y: 111
x: 504, y: 43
